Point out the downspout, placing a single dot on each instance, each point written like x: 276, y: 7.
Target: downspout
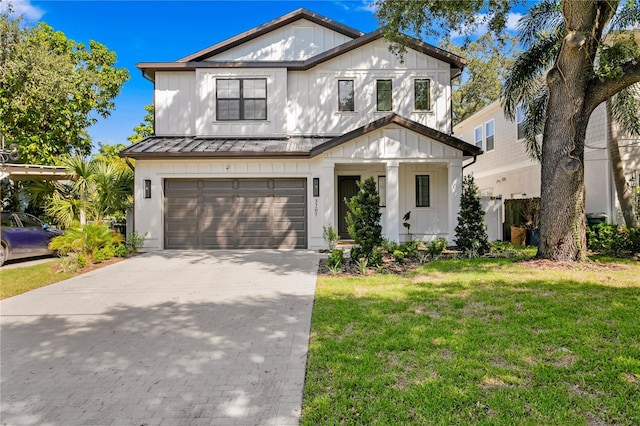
x: 475, y: 158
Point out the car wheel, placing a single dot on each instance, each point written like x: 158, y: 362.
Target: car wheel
x: 3, y: 254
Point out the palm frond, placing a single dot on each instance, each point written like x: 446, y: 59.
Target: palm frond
x: 544, y: 16
x: 534, y: 122
x: 522, y: 85
x: 625, y: 107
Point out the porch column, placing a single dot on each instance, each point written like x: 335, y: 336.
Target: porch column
x: 455, y: 191
x: 327, y: 194
x: 393, y: 202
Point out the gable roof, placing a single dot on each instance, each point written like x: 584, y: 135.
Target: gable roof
x: 187, y: 147
x: 268, y: 27
x: 197, y: 60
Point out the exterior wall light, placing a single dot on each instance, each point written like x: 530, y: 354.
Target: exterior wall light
x: 316, y: 187
x: 147, y: 188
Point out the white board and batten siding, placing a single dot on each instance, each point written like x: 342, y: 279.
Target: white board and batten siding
x: 175, y: 104
x: 313, y: 95
x: 297, y: 41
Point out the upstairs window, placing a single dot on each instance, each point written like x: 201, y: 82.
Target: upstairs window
x: 489, y: 135
x: 241, y: 99
x: 520, y: 118
x: 423, y: 197
x: 477, y: 132
x: 422, y: 91
x: 383, y: 95
x: 345, y: 95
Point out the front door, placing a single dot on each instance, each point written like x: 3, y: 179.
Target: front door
x: 347, y: 188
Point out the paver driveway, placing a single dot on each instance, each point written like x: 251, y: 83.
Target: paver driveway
x: 170, y: 338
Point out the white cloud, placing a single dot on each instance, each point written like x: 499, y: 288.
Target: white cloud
x: 512, y: 20
x: 368, y: 6
x: 23, y: 8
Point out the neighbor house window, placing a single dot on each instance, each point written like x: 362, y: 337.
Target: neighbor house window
x: 477, y: 132
x: 345, y: 95
x: 241, y: 99
x: 422, y: 191
x: 422, y: 95
x: 383, y: 95
x: 489, y: 135
x: 520, y: 118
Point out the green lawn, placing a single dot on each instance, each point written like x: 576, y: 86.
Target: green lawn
x: 20, y: 280
x: 485, y: 341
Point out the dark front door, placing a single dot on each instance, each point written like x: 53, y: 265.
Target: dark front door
x: 347, y: 188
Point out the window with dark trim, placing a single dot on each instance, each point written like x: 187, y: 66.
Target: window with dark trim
x: 345, y: 95
x: 241, y: 99
x: 423, y: 197
x: 383, y: 95
x: 422, y: 94
x: 489, y: 135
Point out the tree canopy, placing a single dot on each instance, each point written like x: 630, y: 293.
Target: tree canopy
x: 52, y: 89
x: 144, y: 129
x: 586, y: 70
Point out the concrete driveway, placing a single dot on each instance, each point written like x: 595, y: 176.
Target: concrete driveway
x: 170, y: 338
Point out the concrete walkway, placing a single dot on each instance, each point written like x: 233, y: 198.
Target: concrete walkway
x: 166, y: 338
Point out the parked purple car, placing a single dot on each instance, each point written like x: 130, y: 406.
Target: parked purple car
x: 24, y: 235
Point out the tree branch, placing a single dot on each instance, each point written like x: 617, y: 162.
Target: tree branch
x: 602, y: 88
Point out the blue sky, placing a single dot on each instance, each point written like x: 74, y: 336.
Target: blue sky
x: 158, y: 30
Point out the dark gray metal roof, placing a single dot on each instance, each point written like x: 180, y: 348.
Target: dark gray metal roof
x: 192, y: 146
x: 294, y: 146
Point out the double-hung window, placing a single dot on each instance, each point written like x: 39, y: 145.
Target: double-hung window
x: 477, y: 136
x: 345, y: 95
x: 383, y: 95
x: 241, y: 99
x: 421, y: 94
x: 423, y: 197
x: 489, y: 135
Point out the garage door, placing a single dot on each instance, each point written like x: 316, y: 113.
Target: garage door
x: 235, y: 213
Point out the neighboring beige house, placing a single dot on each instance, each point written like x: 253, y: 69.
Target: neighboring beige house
x: 505, y: 170
x: 259, y: 138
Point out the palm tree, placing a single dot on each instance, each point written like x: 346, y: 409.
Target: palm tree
x: 542, y: 31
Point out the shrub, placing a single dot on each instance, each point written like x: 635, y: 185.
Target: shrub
x: 86, y: 239
x: 108, y: 252
x: 613, y: 241
x: 135, y: 241
x: 81, y: 260
x: 376, y: 257
x: 398, y: 256
x: 355, y: 253
x: 471, y: 232
x: 121, y: 250
x: 363, y: 217
x: 68, y: 264
x: 330, y: 235
x: 98, y: 256
x: 435, y: 248
x: 410, y: 248
x: 389, y: 246
x: 335, y: 259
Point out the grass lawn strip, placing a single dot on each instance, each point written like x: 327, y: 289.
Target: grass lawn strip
x: 16, y: 281
x: 484, y: 341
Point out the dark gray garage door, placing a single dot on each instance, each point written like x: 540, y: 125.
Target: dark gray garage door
x: 235, y: 213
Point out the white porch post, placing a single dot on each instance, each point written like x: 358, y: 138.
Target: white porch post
x: 327, y: 194
x: 455, y: 191
x: 393, y: 202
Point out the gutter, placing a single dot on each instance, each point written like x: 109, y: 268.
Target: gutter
x: 475, y: 158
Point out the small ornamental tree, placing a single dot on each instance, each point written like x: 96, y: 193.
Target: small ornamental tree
x: 471, y: 232
x: 363, y: 217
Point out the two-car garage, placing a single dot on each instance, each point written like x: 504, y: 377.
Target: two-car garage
x: 235, y: 213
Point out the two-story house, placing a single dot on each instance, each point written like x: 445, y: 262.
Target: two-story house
x: 505, y: 170
x: 260, y: 138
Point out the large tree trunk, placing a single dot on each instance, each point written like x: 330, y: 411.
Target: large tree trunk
x: 562, y: 216
x: 620, y: 181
